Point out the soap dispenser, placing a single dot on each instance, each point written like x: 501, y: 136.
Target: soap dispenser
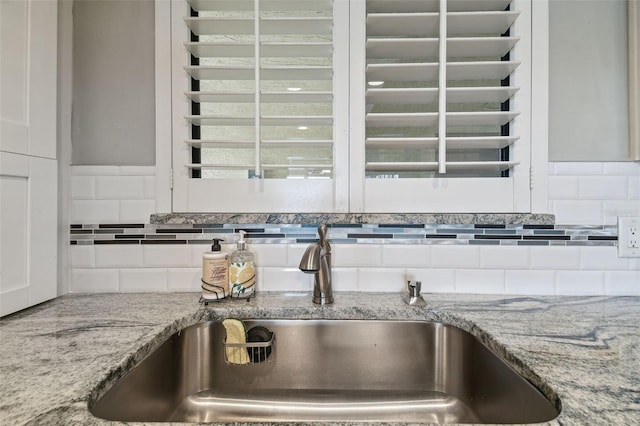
x: 215, y: 273
x: 242, y: 272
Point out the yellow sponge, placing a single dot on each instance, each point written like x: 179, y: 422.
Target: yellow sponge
x: 236, y: 334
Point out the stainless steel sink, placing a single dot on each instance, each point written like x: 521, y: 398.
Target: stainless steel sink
x: 327, y: 370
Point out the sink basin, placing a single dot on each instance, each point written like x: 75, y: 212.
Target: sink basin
x: 327, y: 370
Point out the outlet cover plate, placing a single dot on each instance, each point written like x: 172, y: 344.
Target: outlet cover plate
x: 628, y: 242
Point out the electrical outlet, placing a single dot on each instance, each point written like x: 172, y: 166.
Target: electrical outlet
x: 628, y: 236
x: 633, y: 237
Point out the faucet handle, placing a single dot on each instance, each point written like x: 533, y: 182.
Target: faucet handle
x: 323, y: 234
x: 322, y: 231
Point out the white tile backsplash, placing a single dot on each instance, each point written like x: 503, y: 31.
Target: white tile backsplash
x: 418, y: 256
x: 605, y: 190
x: 118, y: 256
x: 284, y: 279
x: 94, y: 280
x: 580, y: 194
x: 136, y: 211
x: 82, y: 256
x: 197, y: 250
x: 577, y: 168
x: 569, y: 212
x: 525, y: 270
x: 622, y: 283
x: 563, y: 188
x: 295, y: 252
x: 504, y: 257
x: 173, y: 255
x: 269, y: 254
x: 184, y: 279
x: 529, y: 282
x: 555, y: 257
x: 345, y: 279
x: 481, y: 281
x: 601, y: 258
x: 634, y: 188
x: 433, y: 280
x: 95, y: 170
x: 356, y: 254
x: 95, y: 211
x: 615, y: 208
x: 137, y: 170
x: 112, y: 194
x: 387, y: 280
x: 143, y: 279
x: 83, y: 187
x: 455, y: 256
x: 622, y: 168
x: 602, y: 187
x: 150, y: 188
x: 120, y: 187
x: 580, y: 283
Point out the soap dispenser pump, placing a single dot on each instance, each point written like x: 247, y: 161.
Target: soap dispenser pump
x: 215, y: 273
x: 242, y: 272
x: 413, y: 297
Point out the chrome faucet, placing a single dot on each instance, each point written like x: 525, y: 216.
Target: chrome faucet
x: 317, y: 260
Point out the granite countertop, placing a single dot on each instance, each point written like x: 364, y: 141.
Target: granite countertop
x: 54, y: 357
x: 355, y: 218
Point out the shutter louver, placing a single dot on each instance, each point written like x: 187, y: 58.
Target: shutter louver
x: 421, y: 124
x: 263, y: 88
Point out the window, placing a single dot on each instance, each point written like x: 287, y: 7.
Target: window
x: 266, y: 112
x: 352, y: 105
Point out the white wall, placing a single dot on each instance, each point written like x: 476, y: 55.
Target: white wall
x: 588, y: 112
x: 113, y: 82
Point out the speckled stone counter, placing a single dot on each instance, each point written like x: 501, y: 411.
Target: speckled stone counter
x: 57, y: 357
x: 355, y: 218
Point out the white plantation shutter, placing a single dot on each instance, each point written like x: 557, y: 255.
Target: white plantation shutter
x: 352, y: 105
x: 260, y: 84
x: 442, y: 106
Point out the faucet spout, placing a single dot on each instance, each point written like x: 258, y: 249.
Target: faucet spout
x: 317, y: 260
x: 310, y: 262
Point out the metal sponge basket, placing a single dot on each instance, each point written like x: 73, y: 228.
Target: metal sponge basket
x: 259, y: 348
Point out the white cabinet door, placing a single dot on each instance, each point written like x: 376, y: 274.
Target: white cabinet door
x: 28, y: 229
x: 28, y: 165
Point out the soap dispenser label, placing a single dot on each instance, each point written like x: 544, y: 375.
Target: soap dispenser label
x: 242, y: 278
x: 215, y: 276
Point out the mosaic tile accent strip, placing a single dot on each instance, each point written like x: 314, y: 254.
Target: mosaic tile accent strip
x: 265, y: 233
